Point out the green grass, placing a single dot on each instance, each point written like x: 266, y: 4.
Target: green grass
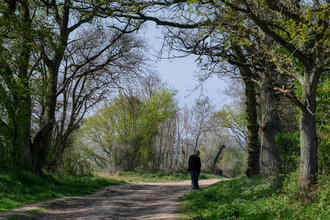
x: 241, y: 198
x: 139, y: 177
x: 32, y: 212
x: 17, y: 188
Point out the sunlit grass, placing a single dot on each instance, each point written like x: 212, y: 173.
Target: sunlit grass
x: 139, y: 177
x: 262, y: 199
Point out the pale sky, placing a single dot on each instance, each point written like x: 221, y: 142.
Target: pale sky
x: 179, y: 74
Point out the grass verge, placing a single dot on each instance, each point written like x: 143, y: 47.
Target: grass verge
x: 19, y: 187
x: 259, y: 198
x: 139, y: 177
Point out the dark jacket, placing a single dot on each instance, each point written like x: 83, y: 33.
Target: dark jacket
x: 194, y: 163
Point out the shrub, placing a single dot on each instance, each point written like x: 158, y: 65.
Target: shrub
x: 289, y: 144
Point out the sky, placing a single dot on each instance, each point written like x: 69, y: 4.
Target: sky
x: 179, y: 74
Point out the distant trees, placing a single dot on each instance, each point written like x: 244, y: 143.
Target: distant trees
x: 232, y: 118
x: 202, y: 110
x: 145, y: 130
x: 129, y: 131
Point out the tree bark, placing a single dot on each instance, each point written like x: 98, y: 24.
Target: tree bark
x: 48, y: 116
x: 50, y: 105
x: 308, y: 157
x: 26, y: 137
x: 252, y: 118
x: 215, y: 160
x: 308, y: 135
x: 307, y: 125
x: 270, y: 126
x: 25, y: 94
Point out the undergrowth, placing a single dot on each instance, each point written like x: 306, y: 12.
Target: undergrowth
x: 259, y: 198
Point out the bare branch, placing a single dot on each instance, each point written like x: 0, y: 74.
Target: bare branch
x: 290, y: 94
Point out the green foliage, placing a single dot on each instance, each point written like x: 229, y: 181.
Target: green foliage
x: 233, y: 162
x: 323, y: 127
x: 289, y: 144
x: 15, y: 91
x: 232, y: 116
x: 121, y: 133
x: 233, y: 119
x: 22, y: 32
x: 161, y: 106
x: 74, y: 164
x: 258, y: 198
x: 19, y: 187
x: 14, y: 116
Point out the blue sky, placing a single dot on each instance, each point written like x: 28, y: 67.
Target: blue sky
x: 179, y: 74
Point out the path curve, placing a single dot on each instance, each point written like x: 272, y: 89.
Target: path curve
x: 128, y: 201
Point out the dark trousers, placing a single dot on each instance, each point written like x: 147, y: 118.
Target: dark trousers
x: 194, y: 179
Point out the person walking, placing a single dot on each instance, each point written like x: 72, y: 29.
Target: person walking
x: 194, y: 167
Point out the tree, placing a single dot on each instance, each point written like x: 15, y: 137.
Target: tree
x: 296, y: 41
x: 96, y: 137
x: 124, y: 132
x: 16, y: 45
x: 39, y: 43
x: 188, y: 116
x: 92, y: 83
x: 307, y: 45
x: 165, y: 156
x: 251, y: 110
x: 232, y: 117
x: 270, y: 123
x: 202, y: 111
x: 68, y: 17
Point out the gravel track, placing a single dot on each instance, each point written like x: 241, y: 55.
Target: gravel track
x: 128, y: 201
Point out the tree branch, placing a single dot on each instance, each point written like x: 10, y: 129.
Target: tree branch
x: 284, y: 10
x: 290, y: 47
x: 89, y: 60
x: 290, y: 94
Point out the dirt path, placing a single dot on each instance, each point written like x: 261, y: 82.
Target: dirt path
x: 130, y: 201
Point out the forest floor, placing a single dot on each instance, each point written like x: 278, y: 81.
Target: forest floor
x: 127, y: 201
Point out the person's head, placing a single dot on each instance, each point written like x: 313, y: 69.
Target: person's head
x: 197, y: 152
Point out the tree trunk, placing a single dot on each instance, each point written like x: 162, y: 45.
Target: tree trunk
x: 270, y: 126
x: 251, y: 116
x: 48, y: 116
x: 24, y: 97
x: 215, y: 160
x: 308, y: 136
x: 43, y: 149
x: 308, y: 157
x: 26, y: 145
